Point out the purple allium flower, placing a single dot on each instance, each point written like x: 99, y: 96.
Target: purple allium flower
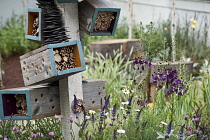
x: 33, y: 135
x: 51, y: 133
x: 56, y: 117
x: 17, y: 131
x: 195, y: 131
x: 1, y: 136
x: 38, y: 134
x: 188, y: 133
x: 6, y: 139
x: 189, y: 127
x: 71, y: 120
x: 186, y: 117
x: 14, y: 128
x: 205, y: 136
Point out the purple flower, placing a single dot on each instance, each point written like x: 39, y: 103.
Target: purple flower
x: 14, y: 128
x: 17, y: 131
x: 71, y: 120
x: 1, y: 136
x: 51, y: 134
x: 169, y: 127
x: 23, y: 132
x: 186, y: 117
x: 189, y: 127
x: 196, y: 119
x: 188, y: 133
x: 181, y: 132
x: 38, y: 134
x: 6, y: 139
x: 196, y: 131
x: 33, y: 135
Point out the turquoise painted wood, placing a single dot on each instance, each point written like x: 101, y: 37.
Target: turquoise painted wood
x: 39, y: 66
x: 31, y: 14
x: 41, y: 101
x: 67, y: 1
x: 88, y: 12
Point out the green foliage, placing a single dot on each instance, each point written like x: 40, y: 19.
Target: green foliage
x: 12, y: 37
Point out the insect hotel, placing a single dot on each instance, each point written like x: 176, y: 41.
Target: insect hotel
x: 58, y: 63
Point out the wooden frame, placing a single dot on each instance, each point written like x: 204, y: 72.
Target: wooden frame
x: 31, y: 15
x: 88, y: 12
x: 36, y: 98
x: 39, y: 66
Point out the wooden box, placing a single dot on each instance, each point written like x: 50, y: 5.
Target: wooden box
x: 93, y: 91
x: 43, y: 100
x: 28, y: 103
x: 67, y: 1
x: 107, y: 46
x: 98, y: 17
x: 52, y: 62
x: 34, y: 25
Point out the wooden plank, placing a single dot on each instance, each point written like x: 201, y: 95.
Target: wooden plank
x: 73, y: 84
x: 108, y: 46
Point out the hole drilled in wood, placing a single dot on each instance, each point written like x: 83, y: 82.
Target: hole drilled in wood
x: 104, y: 88
x: 42, y: 95
x: 24, y: 69
x: 40, y: 68
x: 43, y: 60
x: 36, y: 100
x: 27, y: 78
x: 24, y: 62
x: 53, y: 107
x: 99, y: 93
x: 32, y: 64
x: 93, y: 102
x: 49, y: 68
x: 37, y: 67
x: 35, y: 73
x: 28, y: 67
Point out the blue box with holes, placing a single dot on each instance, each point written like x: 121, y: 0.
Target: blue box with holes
x: 52, y: 62
x: 27, y: 103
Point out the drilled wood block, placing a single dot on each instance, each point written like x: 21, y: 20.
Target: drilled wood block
x: 98, y: 18
x: 39, y: 101
x: 34, y: 25
x: 28, y: 103
x: 52, y: 62
x: 67, y: 1
x: 107, y: 46
x: 94, y: 90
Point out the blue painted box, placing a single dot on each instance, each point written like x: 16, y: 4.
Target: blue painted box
x: 52, y: 62
x: 34, y: 25
x: 67, y: 1
x: 98, y: 17
x: 29, y: 103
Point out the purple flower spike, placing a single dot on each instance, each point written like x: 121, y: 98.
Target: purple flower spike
x: 196, y: 119
x: 51, y: 134
x: 14, y: 129
x: 188, y: 133
x: 17, y: 131
x: 38, y: 134
x: 186, y: 117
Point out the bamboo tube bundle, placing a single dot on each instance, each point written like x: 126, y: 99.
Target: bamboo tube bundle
x: 53, y: 30
x: 21, y: 106
x: 103, y: 20
x: 64, y: 58
x: 35, y: 31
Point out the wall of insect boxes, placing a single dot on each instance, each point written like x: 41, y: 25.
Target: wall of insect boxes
x: 57, y: 59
